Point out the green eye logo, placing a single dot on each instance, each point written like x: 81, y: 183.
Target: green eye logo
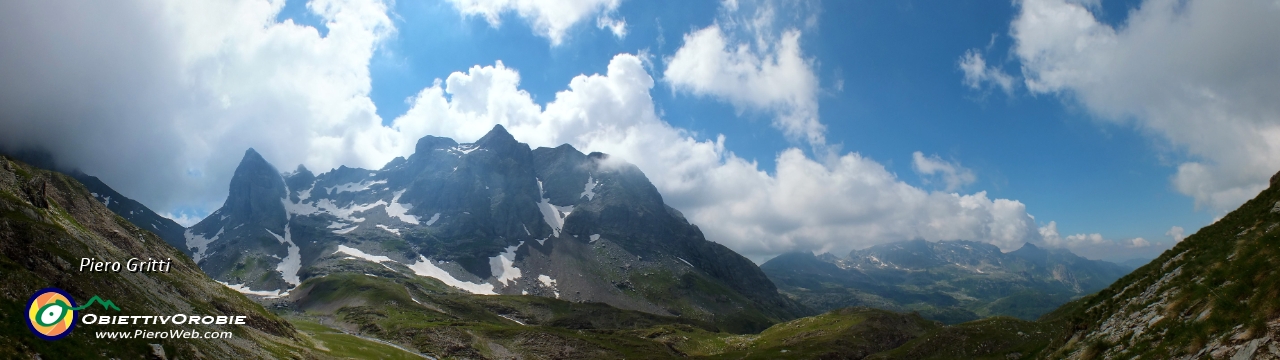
x: 51, y: 314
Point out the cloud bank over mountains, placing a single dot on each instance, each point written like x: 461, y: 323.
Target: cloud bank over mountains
x: 159, y: 100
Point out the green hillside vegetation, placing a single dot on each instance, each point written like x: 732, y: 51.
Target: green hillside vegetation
x: 342, y: 345
x: 1214, y: 293
x: 851, y: 333
x: 426, y: 316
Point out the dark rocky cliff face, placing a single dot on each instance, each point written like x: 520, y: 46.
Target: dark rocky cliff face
x: 256, y: 190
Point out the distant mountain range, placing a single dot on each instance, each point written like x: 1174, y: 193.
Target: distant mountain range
x: 948, y: 281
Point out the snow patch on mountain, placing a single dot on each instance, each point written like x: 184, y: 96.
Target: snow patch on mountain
x: 361, y: 254
x: 344, y: 231
x: 464, y: 149
x: 400, y: 211
x: 554, y: 215
x: 289, y: 267
x: 199, y: 243
x: 590, y: 191
x: 347, y: 213
x: 686, y: 262
x: 299, y: 208
x: 424, y: 267
x: 390, y: 230
x: 240, y: 288
x: 305, y: 194
x: 551, y: 283
x: 595, y: 237
x: 433, y: 219
x: 353, y: 187
x: 503, y: 266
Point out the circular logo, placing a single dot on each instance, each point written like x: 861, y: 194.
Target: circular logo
x: 50, y: 313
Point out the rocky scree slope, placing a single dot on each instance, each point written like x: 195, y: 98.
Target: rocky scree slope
x: 490, y: 217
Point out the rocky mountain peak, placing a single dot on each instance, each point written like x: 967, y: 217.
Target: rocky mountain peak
x: 255, y: 193
x: 499, y: 140
x: 1031, y: 252
x: 428, y: 143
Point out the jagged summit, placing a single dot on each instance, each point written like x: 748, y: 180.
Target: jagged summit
x: 1031, y: 251
x: 256, y: 187
x: 500, y: 141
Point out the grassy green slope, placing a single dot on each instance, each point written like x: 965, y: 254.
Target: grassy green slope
x: 423, y: 315
x: 48, y: 222
x: 1217, y: 288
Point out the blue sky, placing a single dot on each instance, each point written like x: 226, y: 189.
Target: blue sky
x: 1111, y: 128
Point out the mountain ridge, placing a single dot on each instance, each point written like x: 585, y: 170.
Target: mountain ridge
x: 948, y: 281
x: 489, y: 217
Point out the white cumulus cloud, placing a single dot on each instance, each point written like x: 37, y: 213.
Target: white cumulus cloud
x: 1202, y: 75
x: 1176, y: 233
x: 977, y: 73
x: 549, y: 19
x: 1137, y: 243
x: 952, y: 174
x: 763, y: 68
x: 616, y: 26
